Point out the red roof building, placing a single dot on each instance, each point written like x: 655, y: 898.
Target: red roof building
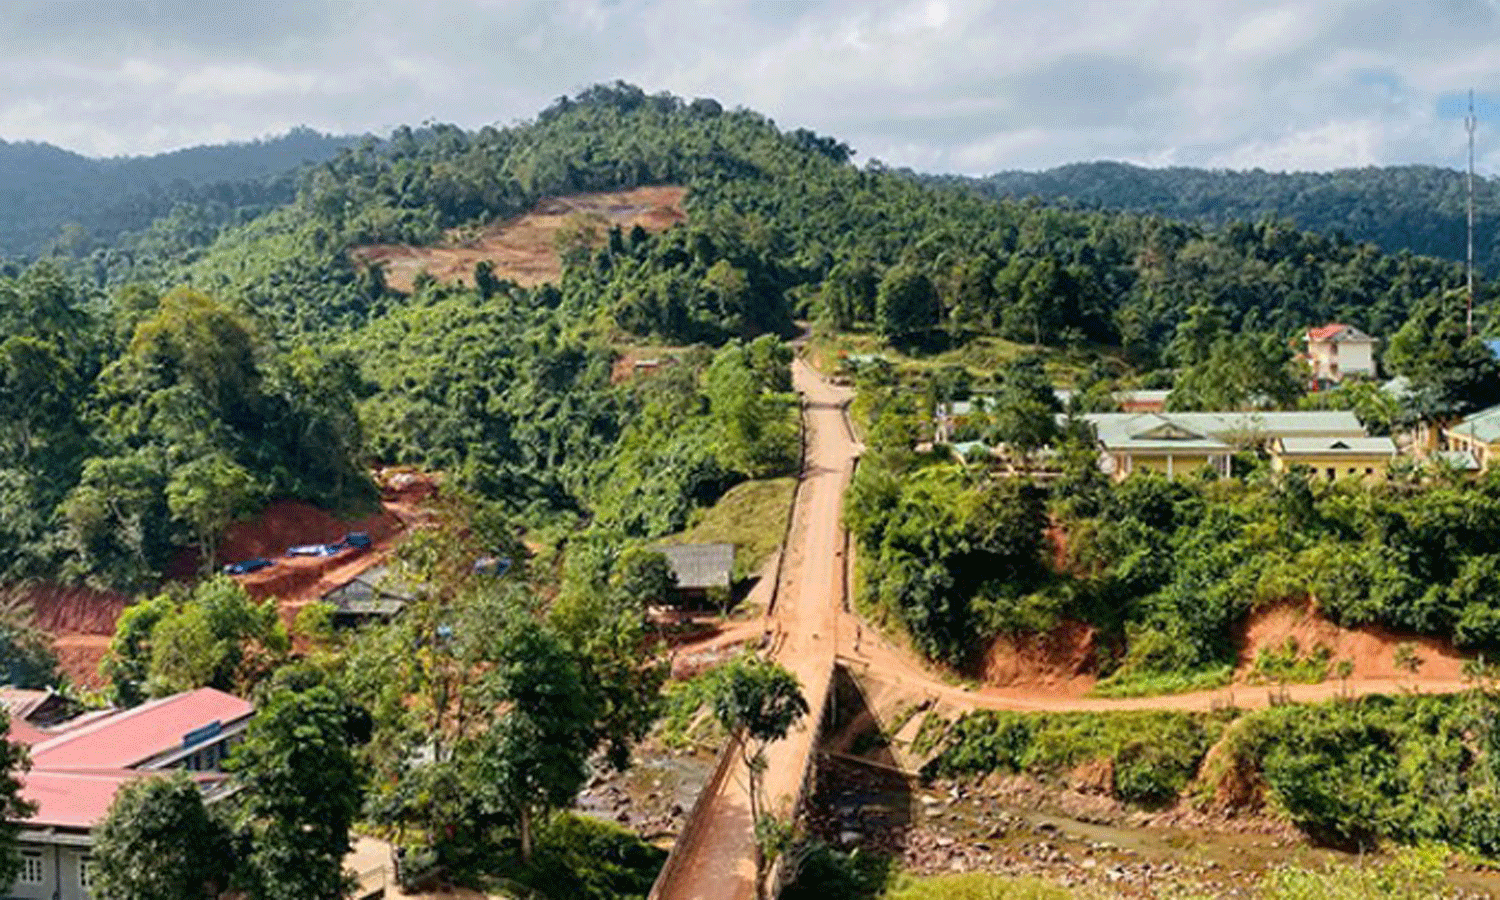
x: 78, y: 765
x: 1336, y: 351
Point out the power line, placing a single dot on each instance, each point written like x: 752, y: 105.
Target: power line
x: 1471, y: 123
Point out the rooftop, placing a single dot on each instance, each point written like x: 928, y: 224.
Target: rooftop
x: 1213, y: 430
x: 134, y: 736
x: 80, y: 799
x: 1334, y: 446
x: 700, y: 566
x: 1337, y: 331
x: 1481, y: 426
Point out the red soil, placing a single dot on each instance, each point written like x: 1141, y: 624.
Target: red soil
x: 524, y: 249
x: 1063, y: 660
x: 82, y: 620
x: 1371, y: 649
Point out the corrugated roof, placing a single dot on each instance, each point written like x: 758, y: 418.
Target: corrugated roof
x: 1482, y: 426
x: 20, y: 703
x: 134, y: 736
x: 700, y: 566
x: 23, y: 732
x: 1211, y: 430
x: 1372, y: 445
x: 80, y: 799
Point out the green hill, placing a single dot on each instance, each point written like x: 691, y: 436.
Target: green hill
x: 1420, y: 209
x: 287, y: 365
x: 45, y: 190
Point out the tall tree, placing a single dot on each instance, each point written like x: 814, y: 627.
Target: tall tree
x: 759, y: 701
x: 301, y: 789
x: 906, y: 305
x: 207, y: 495
x: 159, y: 842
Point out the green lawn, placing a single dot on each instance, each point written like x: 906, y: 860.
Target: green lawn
x: 752, y: 517
x: 983, y: 355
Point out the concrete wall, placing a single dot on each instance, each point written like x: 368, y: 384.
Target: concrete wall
x: 1174, y: 465
x: 61, y: 868
x: 1331, y: 362
x: 1331, y: 466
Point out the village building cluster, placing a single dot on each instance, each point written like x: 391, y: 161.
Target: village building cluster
x: 80, y: 759
x: 1144, y: 436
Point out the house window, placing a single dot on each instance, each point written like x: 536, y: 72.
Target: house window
x: 86, y: 874
x: 1369, y: 471
x: 1332, y: 474
x: 32, y: 870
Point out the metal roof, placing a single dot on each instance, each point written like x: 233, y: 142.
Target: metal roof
x: 1211, y: 430
x: 1335, y: 446
x: 1481, y: 426
x: 133, y: 736
x: 700, y: 566
x: 1337, y: 331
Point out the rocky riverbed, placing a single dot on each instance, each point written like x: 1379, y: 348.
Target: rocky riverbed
x: 1072, y: 837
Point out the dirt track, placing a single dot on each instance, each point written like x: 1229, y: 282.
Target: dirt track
x: 811, y: 629
x: 524, y: 249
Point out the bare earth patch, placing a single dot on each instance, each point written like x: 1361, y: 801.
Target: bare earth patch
x: 524, y: 249
x: 1370, y: 649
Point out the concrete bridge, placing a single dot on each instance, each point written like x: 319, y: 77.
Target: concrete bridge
x: 714, y: 858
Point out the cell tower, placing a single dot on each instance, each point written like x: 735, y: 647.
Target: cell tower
x: 1470, y: 123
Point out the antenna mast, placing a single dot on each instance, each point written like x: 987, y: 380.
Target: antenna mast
x: 1470, y: 123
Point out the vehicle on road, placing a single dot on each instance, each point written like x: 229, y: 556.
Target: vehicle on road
x: 314, y: 550
x: 247, y: 566
x: 358, y: 540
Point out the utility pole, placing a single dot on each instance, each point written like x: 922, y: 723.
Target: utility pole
x: 1470, y: 123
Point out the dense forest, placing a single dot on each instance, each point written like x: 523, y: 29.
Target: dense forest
x: 157, y: 386
x: 1420, y: 209
x: 265, y: 342
x: 59, y: 201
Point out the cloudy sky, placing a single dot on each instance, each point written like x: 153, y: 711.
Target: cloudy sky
x: 938, y: 85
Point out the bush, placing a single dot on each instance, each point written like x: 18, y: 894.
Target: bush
x: 1154, y: 754
x: 593, y: 859
x: 1415, y: 874
x: 977, y: 886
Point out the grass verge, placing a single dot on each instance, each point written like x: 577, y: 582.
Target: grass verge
x: 751, y: 516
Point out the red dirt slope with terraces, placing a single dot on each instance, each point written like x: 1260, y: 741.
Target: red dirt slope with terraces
x: 524, y: 249
x: 82, y: 620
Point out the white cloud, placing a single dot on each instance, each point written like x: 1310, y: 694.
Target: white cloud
x: 947, y: 85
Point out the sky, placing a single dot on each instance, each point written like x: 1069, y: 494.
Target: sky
x: 936, y: 85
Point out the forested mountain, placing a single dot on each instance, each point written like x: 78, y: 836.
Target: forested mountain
x: 137, y: 406
x: 1415, y: 208
x: 54, y: 199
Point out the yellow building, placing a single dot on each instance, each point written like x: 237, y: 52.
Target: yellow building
x: 1478, y: 435
x: 1181, y: 443
x: 1333, y: 458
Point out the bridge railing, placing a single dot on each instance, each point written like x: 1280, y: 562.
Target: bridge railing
x: 692, y: 826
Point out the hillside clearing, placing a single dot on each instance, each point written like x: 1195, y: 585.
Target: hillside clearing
x: 524, y: 249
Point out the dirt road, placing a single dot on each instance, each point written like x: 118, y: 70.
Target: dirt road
x: 717, y: 848
x: 810, y: 629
